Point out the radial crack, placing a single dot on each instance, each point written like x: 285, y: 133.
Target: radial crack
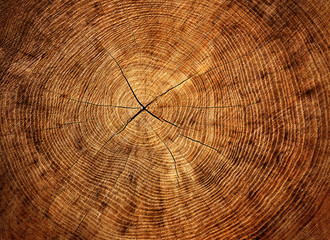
x: 90, y: 103
x: 136, y: 46
x: 92, y: 206
x: 196, y: 189
x: 113, y: 185
x: 197, y: 73
x: 200, y: 142
x: 164, y: 120
x: 122, y: 72
x: 170, y: 89
x: 161, y: 119
x: 62, y: 124
x: 123, y: 169
x: 176, y: 170
x: 119, y: 131
x: 233, y: 106
x: 46, y: 129
x: 131, y: 119
x: 204, y: 144
x: 211, y: 69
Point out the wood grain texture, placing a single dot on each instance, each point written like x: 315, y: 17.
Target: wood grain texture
x: 152, y: 119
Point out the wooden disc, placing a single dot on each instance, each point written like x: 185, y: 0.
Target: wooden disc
x: 154, y: 119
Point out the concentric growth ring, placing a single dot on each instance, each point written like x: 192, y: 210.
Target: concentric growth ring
x: 166, y: 119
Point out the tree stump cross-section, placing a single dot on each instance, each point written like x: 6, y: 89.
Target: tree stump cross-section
x: 159, y: 119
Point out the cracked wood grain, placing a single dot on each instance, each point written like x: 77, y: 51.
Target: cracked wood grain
x: 164, y: 119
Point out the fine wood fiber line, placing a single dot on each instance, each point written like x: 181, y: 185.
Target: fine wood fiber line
x: 158, y: 119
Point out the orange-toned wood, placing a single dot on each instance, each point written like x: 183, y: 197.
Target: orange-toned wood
x: 164, y: 119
